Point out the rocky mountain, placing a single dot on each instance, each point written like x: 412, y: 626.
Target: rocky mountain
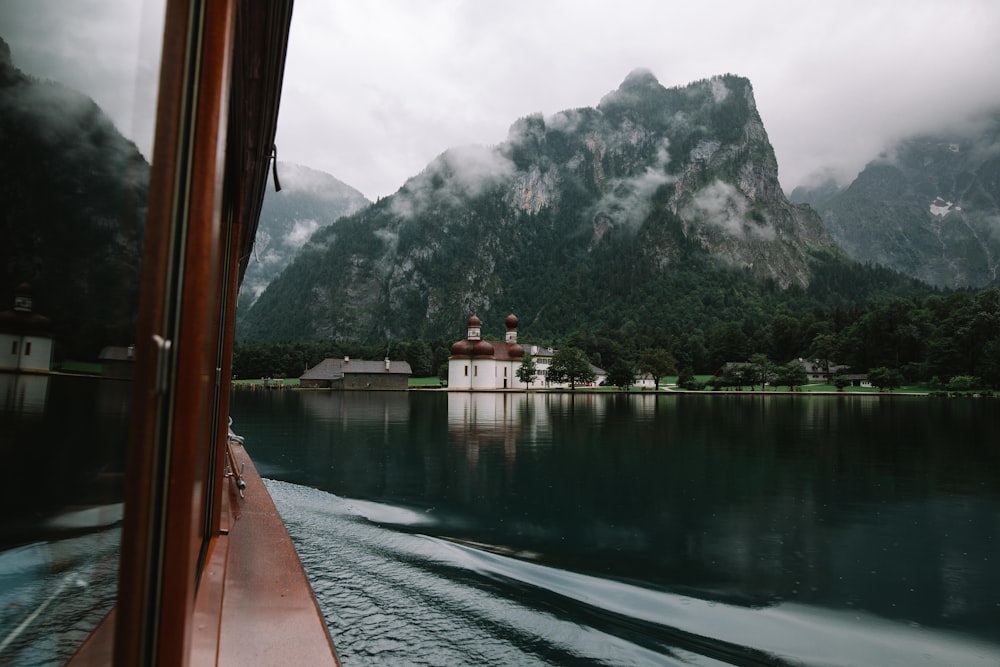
x: 72, y: 212
x: 309, y: 200
x: 598, y: 213
x: 929, y: 207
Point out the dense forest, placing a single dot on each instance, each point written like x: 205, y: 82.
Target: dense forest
x: 926, y: 336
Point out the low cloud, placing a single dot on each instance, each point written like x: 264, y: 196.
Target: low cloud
x: 270, y: 256
x: 629, y: 201
x: 454, y: 177
x: 721, y: 206
x: 300, y: 233
x: 565, y: 121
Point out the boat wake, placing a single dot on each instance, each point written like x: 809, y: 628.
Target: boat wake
x: 393, y: 593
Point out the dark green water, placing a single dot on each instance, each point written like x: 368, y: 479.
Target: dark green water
x: 763, y: 526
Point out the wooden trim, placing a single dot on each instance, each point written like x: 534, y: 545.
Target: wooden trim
x: 269, y: 613
x: 171, y: 426
x: 185, y: 561
x: 195, y: 345
x: 137, y: 596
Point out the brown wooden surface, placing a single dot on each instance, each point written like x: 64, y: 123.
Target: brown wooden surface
x: 219, y: 90
x: 98, y: 649
x: 137, y: 592
x: 269, y: 613
x: 254, y: 604
x: 192, y: 439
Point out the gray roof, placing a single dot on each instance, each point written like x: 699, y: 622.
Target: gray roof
x: 331, y: 369
x: 116, y: 353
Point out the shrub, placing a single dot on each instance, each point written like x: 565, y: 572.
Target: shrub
x: 964, y: 383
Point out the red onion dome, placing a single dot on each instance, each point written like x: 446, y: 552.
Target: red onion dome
x: 475, y: 322
x: 515, y: 351
x: 462, y: 348
x: 511, y: 321
x: 14, y: 322
x: 482, y: 348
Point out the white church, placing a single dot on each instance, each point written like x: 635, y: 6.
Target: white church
x: 25, y: 336
x: 481, y: 364
x: 477, y: 364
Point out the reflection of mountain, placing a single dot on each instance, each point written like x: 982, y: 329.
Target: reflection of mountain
x: 72, y: 209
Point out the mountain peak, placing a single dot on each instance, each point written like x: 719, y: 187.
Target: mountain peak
x: 640, y: 77
x: 640, y: 85
x: 654, y: 183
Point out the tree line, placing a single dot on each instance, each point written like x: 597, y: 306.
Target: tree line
x: 922, y: 338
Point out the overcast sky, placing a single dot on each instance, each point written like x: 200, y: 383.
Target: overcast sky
x: 375, y: 89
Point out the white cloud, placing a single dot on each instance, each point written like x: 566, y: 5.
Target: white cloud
x: 456, y: 175
x: 628, y: 200
x: 721, y: 206
x: 106, y: 49
x: 375, y: 90
x: 390, y: 85
x: 300, y: 233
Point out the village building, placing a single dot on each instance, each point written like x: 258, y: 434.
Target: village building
x: 349, y: 374
x: 826, y: 372
x: 646, y: 381
x: 25, y: 336
x: 820, y: 370
x: 478, y: 364
x: 117, y: 361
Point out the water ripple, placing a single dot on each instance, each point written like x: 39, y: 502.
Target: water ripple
x: 395, y: 597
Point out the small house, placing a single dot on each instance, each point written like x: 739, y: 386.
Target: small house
x: 360, y: 374
x: 820, y: 370
x: 117, y: 361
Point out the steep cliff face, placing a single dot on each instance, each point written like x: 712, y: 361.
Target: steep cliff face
x: 580, y: 207
x: 929, y: 208
x: 308, y: 201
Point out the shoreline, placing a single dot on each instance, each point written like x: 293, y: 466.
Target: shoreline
x: 663, y: 391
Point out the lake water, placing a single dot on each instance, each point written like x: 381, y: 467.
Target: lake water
x: 456, y: 528
x: 62, y: 443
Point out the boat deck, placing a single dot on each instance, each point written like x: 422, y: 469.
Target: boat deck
x: 254, y: 604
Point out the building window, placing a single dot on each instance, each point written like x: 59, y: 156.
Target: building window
x: 476, y: 371
x: 466, y: 370
x: 27, y: 348
x: 13, y: 347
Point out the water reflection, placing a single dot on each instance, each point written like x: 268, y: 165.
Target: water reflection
x: 73, y: 78
x: 24, y: 394
x: 841, y: 502
x: 63, y: 449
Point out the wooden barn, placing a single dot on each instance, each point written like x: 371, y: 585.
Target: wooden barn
x: 347, y: 373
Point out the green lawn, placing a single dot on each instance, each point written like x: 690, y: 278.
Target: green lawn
x: 919, y: 389
x: 424, y: 383
x: 85, y: 367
